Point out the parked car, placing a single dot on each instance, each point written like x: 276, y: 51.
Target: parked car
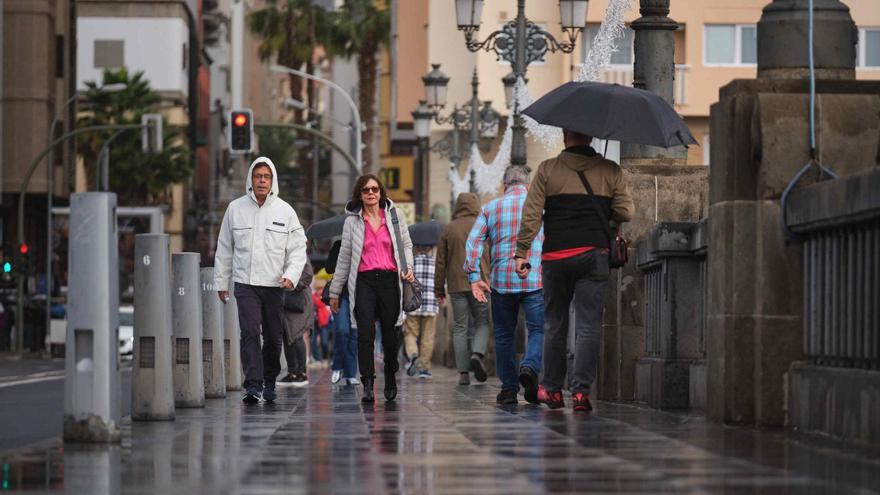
x: 58, y: 332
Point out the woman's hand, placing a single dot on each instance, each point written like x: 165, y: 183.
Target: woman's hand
x: 407, y: 276
x: 334, y: 304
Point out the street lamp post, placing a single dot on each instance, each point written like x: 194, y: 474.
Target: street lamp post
x: 521, y: 42
x: 476, y: 117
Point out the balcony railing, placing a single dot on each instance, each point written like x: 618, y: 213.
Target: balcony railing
x: 623, y: 75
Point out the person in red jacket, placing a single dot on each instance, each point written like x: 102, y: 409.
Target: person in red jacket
x: 320, y: 338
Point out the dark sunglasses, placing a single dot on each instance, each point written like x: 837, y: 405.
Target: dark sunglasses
x: 370, y: 190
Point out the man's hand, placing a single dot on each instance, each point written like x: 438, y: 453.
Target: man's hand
x: 522, y: 267
x: 479, y: 290
x: 334, y: 304
x: 441, y: 298
x: 286, y: 284
x: 223, y: 295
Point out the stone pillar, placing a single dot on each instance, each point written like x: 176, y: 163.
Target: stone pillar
x: 654, y: 70
x: 759, y: 133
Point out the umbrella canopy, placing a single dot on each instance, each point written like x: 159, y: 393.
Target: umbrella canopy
x: 611, y: 111
x: 326, y: 229
x: 425, y: 233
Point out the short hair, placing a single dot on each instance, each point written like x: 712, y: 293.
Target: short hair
x: 578, y: 136
x: 516, y: 175
x: 359, y: 185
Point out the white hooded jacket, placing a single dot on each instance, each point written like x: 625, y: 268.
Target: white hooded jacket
x: 259, y: 245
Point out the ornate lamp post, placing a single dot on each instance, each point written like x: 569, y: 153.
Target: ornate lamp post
x: 521, y: 42
x: 476, y: 117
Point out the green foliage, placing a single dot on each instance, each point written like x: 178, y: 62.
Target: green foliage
x: 289, y: 29
x: 136, y: 177
x: 358, y: 28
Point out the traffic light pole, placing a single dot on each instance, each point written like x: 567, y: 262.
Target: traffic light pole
x: 357, y: 115
x: 19, y: 303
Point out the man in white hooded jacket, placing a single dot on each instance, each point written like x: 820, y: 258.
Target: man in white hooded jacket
x: 262, y: 249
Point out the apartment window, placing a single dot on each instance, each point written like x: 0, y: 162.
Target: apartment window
x: 109, y: 54
x: 623, y: 55
x: 869, y: 48
x: 730, y: 44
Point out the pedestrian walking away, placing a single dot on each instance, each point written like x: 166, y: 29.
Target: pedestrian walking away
x: 421, y: 324
x: 450, y: 279
x: 299, y: 318
x: 574, y: 259
x: 498, y: 223
x: 344, y: 365
x: 368, y: 267
x: 262, y: 249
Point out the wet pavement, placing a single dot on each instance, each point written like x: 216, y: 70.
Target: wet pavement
x: 438, y: 438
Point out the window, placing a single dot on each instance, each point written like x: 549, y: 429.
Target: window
x: 869, y: 48
x: 109, y: 54
x: 730, y: 44
x: 706, y: 150
x: 623, y: 55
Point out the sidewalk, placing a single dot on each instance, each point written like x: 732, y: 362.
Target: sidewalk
x: 439, y: 438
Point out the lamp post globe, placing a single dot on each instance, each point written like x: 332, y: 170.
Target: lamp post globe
x: 422, y: 116
x: 436, y: 86
x: 468, y: 14
x: 573, y: 13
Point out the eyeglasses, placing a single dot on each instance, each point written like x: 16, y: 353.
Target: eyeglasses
x: 370, y: 190
x: 263, y: 176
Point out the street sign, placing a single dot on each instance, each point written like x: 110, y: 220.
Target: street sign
x: 240, y: 131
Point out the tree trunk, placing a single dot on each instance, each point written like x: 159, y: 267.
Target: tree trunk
x: 367, y: 71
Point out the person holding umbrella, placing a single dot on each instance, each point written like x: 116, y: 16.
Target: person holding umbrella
x: 574, y: 261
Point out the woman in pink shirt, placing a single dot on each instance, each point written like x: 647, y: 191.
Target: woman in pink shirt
x: 368, y: 265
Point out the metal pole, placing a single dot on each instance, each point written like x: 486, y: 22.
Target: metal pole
x: 475, y: 124
x: 152, y: 384
x: 49, y: 192
x: 348, y: 99
x: 518, y: 151
x: 327, y: 139
x: 102, y: 175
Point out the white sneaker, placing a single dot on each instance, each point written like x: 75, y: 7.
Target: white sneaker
x: 335, y: 376
x: 354, y: 381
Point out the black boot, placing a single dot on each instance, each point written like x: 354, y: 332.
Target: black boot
x: 390, y: 387
x: 368, y: 389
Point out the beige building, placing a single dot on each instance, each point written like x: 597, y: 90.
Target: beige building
x: 715, y: 44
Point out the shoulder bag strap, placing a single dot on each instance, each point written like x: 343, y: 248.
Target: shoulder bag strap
x: 597, y: 207
x: 400, y: 254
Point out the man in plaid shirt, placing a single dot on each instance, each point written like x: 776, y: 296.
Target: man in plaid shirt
x: 420, y: 324
x: 498, y: 222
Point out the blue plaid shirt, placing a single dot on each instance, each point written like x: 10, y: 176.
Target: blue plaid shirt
x: 498, y: 222
x: 423, y: 269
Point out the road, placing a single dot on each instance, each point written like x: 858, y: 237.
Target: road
x: 33, y: 406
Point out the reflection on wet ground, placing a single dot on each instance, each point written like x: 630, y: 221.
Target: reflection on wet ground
x: 438, y: 439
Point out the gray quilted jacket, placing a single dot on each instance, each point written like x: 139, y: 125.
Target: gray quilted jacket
x: 353, y: 244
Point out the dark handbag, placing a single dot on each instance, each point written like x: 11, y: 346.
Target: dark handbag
x: 618, y: 247
x: 412, y: 291
x: 295, y: 301
x: 325, y: 294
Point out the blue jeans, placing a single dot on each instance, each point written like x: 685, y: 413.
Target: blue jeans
x: 345, y: 342
x: 505, y: 311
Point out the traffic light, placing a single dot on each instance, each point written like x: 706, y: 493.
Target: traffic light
x: 241, y: 131
x: 151, y: 133
x: 24, y: 260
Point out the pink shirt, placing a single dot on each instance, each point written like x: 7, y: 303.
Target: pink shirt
x: 378, y: 252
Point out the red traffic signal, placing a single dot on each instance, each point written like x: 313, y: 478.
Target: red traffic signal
x: 241, y: 132
x: 23, y: 249
x: 240, y: 120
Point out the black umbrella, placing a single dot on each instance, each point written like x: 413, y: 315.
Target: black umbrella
x: 425, y: 233
x: 611, y: 111
x: 326, y: 229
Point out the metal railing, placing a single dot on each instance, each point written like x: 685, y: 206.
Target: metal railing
x: 623, y: 75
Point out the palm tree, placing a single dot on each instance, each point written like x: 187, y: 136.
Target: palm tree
x: 136, y: 177
x: 290, y: 30
x: 361, y: 28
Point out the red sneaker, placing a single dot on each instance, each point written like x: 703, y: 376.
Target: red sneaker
x: 581, y: 402
x: 552, y: 399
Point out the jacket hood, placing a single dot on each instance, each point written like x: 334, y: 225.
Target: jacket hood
x: 249, y: 187
x: 582, y: 162
x: 351, y: 209
x: 467, y: 205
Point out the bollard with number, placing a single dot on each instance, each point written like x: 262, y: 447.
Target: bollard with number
x: 232, y: 344
x: 152, y: 384
x: 186, y: 317
x: 92, y: 389
x: 212, y: 335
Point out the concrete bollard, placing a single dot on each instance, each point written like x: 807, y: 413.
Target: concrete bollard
x: 232, y: 344
x: 92, y: 388
x: 152, y: 383
x: 186, y: 321
x: 212, y: 337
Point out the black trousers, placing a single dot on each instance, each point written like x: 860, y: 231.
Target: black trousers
x: 260, y: 308
x: 295, y: 354
x: 377, y: 298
